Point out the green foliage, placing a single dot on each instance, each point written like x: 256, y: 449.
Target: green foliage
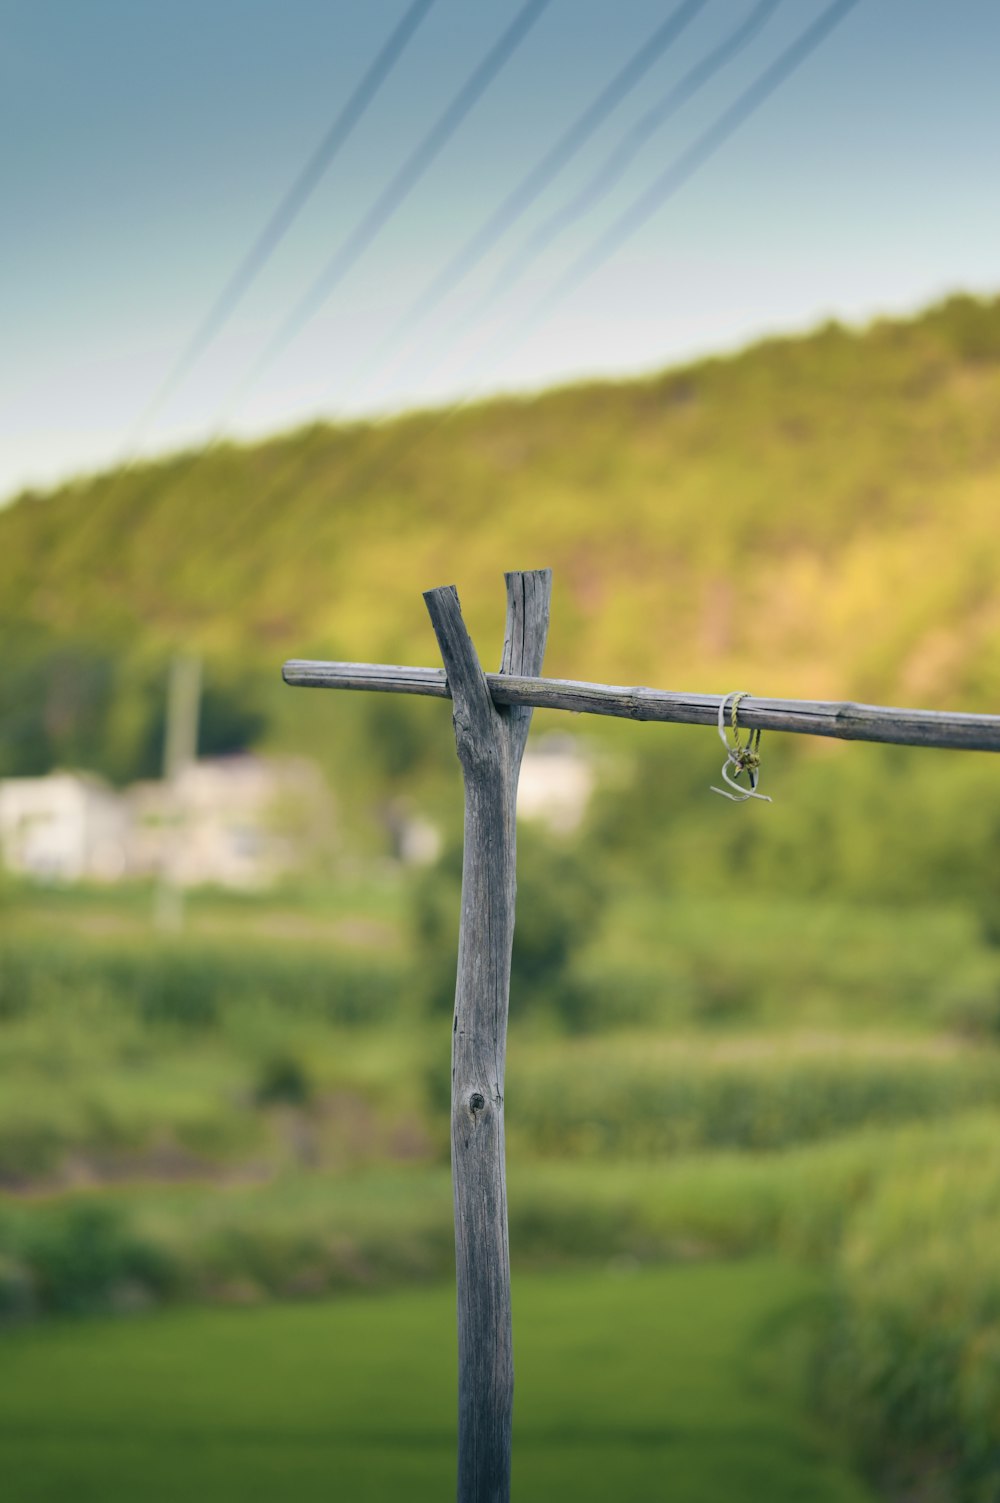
x: 100, y: 704
x: 403, y: 741
x: 283, y: 1079
x: 55, y: 699
x: 191, y: 985
x: 914, y: 1355
x: 120, y: 1055
x: 672, y: 960
x: 905, y: 1220
x: 558, y: 901
x: 971, y: 328
x: 610, y: 1097
x: 861, y: 824
x: 76, y: 1258
x: 810, y: 481
x: 231, y: 715
x: 773, y: 947
x: 435, y: 910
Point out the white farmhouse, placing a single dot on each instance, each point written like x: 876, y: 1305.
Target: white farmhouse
x: 238, y: 821
x: 65, y: 827
x: 557, y: 780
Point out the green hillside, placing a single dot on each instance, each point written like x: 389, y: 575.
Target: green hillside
x: 754, y: 1033
x: 814, y: 516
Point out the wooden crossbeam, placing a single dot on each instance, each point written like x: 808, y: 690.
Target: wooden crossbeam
x: 491, y: 715
x: 803, y: 717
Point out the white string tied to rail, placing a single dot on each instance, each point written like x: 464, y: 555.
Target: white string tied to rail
x: 741, y: 757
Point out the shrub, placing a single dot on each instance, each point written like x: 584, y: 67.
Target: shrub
x: 637, y: 1099
x: 282, y: 1079
x: 76, y: 1258
x: 913, y: 1356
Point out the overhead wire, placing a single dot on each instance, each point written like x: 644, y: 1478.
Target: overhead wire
x: 617, y: 162
x: 665, y: 185
x: 520, y: 198
x: 608, y: 173
x: 385, y: 205
x: 683, y: 168
x: 392, y: 196
x: 284, y: 214
x: 367, y: 472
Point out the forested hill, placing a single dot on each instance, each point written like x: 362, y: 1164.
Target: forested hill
x: 816, y: 516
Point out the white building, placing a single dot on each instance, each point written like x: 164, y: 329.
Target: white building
x: 66, y: 827
x: 557, y: 780
x: 237, y: 821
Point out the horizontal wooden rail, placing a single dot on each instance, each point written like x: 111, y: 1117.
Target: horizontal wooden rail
x: 804, y: 717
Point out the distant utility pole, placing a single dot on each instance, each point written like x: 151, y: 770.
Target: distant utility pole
x: 180, y: 750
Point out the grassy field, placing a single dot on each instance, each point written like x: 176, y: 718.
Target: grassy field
x: 634, y: 1384
x: 256, y: 1113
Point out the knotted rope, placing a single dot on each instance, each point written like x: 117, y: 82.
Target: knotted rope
x: 742, y: 758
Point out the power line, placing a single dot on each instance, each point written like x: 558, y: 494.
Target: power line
x: 609, y: 172
x: 687, y: 164
x: 673, y: 177
x: 524, y: 194
x: 618, y: 160
x: 503, y: 217
x: 404, y: 180
x: 285, y: 213
x: 363, y: 475
x: 392, y: 196
x: 679, y: 172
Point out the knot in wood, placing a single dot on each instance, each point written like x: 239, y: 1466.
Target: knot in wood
x: 476, y: 1102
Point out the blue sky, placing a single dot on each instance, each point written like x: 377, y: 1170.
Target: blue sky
x: 144, y: 143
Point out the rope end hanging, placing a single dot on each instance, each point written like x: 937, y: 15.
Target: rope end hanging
x: 742, y: 758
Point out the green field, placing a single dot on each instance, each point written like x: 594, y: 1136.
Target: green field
x: 256, y: 1114
x: 632, y: 1384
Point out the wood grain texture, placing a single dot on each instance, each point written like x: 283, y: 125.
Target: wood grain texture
x: 844, y: 721
x: 490, y: 740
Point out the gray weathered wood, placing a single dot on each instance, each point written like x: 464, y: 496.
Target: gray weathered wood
x: 490, y: 741
x: 491, y: 714
x: 804, y: 717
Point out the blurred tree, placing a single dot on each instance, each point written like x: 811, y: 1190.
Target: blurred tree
x: 89, y: 704
x: 883, y: 824
x: 559, y: 899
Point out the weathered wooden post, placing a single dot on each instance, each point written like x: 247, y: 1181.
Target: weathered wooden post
x: 490, y: 741
x: 492, y: 713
